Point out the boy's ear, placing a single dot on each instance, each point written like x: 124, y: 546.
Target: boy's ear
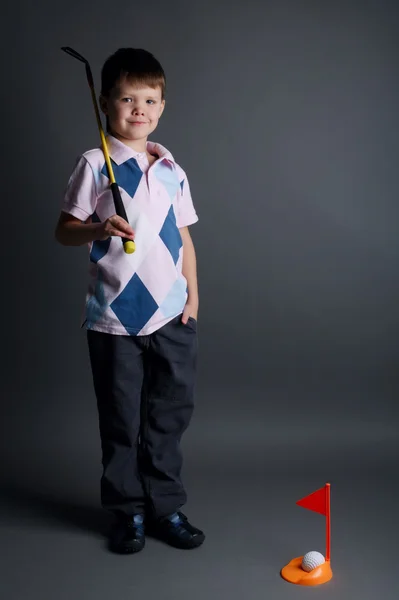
x: 162, y: 107
x: 103, y: 104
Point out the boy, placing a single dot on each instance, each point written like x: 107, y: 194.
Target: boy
x: 141, y: 308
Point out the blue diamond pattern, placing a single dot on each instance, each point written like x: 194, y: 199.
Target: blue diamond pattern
x: 168, y: 177
x: 99, y: 248
x: 127, y: 175
x: 170, y: 235
x: 96, y: 304
x: 134, y: 306
x: 174, y: 301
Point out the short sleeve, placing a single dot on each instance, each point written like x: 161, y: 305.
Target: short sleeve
x: 186, y: 213
x: 80, y: 195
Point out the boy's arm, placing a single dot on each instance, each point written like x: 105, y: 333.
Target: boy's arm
x: 74, y: 227
x: 71, y: 231
x: 189, y: 271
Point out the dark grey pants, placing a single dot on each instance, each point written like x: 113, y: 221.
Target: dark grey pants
x: 145, y: 397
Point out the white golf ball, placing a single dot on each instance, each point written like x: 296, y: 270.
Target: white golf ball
x: 311, y: 560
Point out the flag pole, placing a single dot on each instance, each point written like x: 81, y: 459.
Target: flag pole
x: 328, y: 522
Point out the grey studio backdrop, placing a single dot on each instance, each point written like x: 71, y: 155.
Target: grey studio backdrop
x: 284, y: 115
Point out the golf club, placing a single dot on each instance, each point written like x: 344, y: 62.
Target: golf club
x: 128, y: 245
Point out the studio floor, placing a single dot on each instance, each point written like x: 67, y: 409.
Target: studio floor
x: 242, y: 493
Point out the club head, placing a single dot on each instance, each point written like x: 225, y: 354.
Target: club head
x: 75, y: 54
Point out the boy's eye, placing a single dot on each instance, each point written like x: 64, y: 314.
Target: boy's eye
x: 129, y: 100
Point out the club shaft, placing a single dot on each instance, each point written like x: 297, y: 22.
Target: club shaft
x: 128, y: 245
x: 103, y: 140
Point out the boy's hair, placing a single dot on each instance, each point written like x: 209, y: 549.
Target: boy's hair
x: 138, y: 65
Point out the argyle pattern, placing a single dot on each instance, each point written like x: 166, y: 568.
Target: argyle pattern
x: 143, y: 296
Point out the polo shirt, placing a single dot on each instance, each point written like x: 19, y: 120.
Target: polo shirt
x: 133, y: 294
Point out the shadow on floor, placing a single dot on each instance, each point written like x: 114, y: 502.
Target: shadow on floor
x: 29, y: 505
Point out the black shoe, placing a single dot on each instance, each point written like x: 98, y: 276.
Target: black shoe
x: 176, y: 531
x: 127, y: 535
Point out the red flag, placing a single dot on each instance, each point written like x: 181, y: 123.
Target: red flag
x: 316, y: 501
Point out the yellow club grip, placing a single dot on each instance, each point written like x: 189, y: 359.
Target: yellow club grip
x: 129, y: 246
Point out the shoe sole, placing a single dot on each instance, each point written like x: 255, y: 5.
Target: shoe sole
x: 197, y: 541
x: 127, y: 549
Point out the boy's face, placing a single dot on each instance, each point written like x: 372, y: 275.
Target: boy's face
x: 133, y: 111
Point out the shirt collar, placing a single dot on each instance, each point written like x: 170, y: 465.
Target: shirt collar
x: 120, y: 153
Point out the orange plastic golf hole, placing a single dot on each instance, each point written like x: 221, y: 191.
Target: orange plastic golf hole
x: 293, y: 573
